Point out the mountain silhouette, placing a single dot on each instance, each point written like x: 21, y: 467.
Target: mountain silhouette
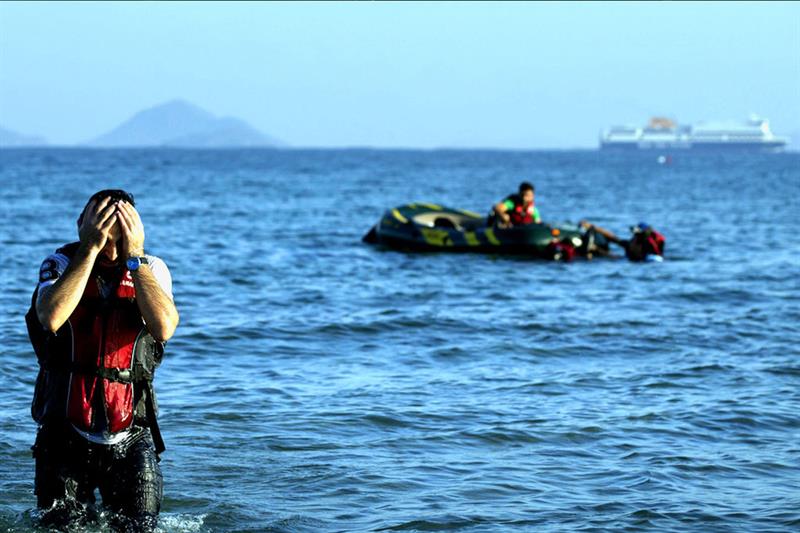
x: 181, y: 124
x: 10, y: 139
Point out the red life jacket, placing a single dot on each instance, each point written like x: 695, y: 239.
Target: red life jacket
x: 654, y: 243
x: 645, y: 243
x: 104, y: 332
x: 87, y: 368
x: 521, y: 215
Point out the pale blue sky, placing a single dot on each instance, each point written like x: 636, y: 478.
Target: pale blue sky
x: 516, y: 75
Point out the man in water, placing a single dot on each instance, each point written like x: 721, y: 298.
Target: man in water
x: 518, y: 209
x: 646, y: 244
x: 98, y: 321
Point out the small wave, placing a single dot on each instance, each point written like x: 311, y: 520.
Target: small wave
x: 719, y: 295
x: 705, y: 468
x: 709, y: 369
x: 386, y: 421
x: 501, y: 436
x: 101, y: 522
x: 294, y: 524
x: 451, y: 352
x: 784, y: 370
x: 739, y: 421
x: 397, y: 324
x: 446, y: 523
x: 646, y: 514
x: 313, y: 447
x: 647, y: 417
x: 180, y: 523
x: 664, y: 385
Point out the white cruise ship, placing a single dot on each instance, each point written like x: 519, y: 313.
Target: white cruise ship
x: 752, y: 135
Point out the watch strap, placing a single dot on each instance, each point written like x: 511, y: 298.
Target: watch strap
x: 134, y: 262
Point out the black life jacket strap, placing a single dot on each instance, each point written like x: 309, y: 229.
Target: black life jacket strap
x: 120, y: 375
x: 150, y: 409
x: 124, y: 375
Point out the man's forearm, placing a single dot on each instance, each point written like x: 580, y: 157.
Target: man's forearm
x: 156, y: 307
x: 607, y: 234
x: 55, y: 303
x: 502, y: 212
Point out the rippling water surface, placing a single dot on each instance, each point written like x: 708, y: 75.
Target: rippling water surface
x: 317, y: 384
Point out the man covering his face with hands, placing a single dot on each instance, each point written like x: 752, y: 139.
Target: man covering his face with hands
x: 99, y: 319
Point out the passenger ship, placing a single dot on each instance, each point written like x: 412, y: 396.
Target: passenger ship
x: 752, y: 135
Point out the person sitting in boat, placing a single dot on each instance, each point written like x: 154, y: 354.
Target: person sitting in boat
x: 517, y: 209
x: 646, y: 244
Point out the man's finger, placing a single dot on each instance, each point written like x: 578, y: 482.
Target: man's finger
x: 132, y: 212
x: 124, y: 222
x: 127, y: 224
x: 134, y: 221
x: 99, y: 206
x: 103, y: 215
x: 88, y: 212
x: 108, y: 223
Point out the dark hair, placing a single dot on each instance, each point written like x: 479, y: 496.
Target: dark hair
x: 114, y: 194
x: 525, y: 186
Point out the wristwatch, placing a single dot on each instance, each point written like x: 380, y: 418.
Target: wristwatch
x: 134, y: 262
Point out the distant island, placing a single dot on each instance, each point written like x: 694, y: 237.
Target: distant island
x: 13, y: 139
x: 181, y: 124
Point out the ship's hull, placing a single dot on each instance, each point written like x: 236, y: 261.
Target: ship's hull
x: 760, y: 147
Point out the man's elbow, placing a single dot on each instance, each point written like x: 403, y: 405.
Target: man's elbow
x: 162, y: 334
x: 164, y: 331
x: 47, y: 320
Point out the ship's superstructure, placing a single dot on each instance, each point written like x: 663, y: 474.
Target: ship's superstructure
x: 753, y: 134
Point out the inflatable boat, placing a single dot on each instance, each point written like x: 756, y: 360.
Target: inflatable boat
x: 431, y: 227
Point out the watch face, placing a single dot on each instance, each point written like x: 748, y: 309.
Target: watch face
x: 133, y: 263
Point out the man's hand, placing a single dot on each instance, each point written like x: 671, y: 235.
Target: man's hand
x: 98, y: 219
x: 157, y: 308
x: 132, y: 230
x: 55, y: 303
x: 504, y: 220
x: 502, y: 214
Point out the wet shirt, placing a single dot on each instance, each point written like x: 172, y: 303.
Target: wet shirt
x: 53, y: 268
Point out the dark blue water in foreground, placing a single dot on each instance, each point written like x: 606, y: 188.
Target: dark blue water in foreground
x: 317, y: 384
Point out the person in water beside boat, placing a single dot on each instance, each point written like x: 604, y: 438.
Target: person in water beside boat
x: 645, y: 244
x: 99, y: 319
x: 517, y: 209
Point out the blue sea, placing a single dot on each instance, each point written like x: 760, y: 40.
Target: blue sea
x: 317, y: 384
